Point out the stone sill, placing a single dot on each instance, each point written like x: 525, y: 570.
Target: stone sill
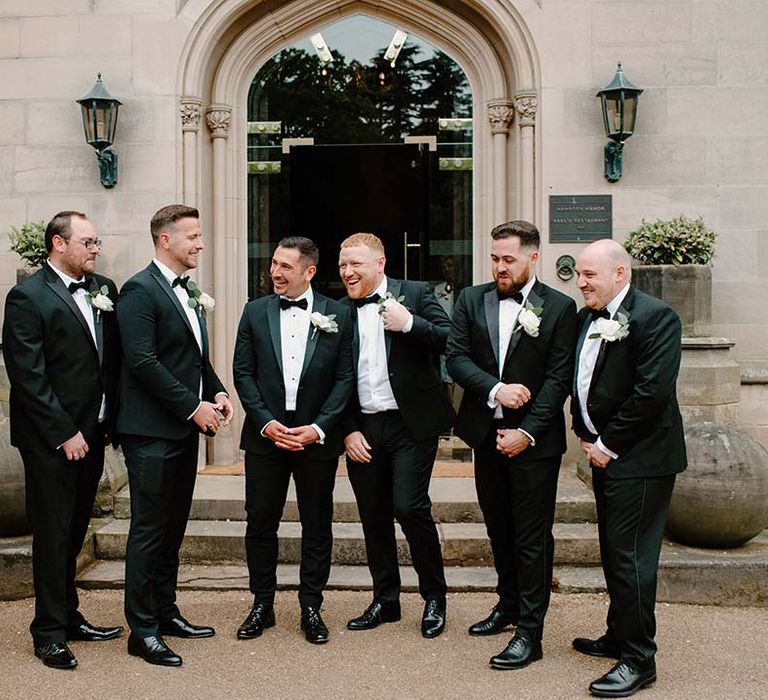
x: 754, y: 371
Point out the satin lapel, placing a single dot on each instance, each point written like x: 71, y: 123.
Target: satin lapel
x: 604, y: 346
x: 393, y: 287
x: 318, y: 306
x: 355, y: 332
x: 97, y: 321
x: 273, y: 320
x: 203, y: 333
x: 535, y: 300
x: 168, y: 291
x: 58, y: 287
x: 491, y: 304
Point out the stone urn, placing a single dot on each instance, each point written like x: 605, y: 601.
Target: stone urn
x: 13, y: 507
x: 686, y: 288
x: 721, y: 500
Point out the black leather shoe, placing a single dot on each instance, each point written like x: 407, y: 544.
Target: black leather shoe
x: 622, y: 681
x: 314, y: 628
x: 496, y: 622
x: 86, y: 632
x: 375, y: 614
x: 597, y: 647
x: 260, y: 617
x: 153, y: 650
x: 520, y: 652
x: 433, y: 619
x: 179, y: 627
x: 56, y: 655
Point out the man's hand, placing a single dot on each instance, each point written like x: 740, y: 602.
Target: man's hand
x: 513, y: 395
x: 205, y: 416
x: 226, y: 408
x: 511, y: 442
x: 395, y: 316
x: 305, y: 434
x: 282, y: 436
x: 75, y: 448
x: 596, y: 456
x: 357, y: 447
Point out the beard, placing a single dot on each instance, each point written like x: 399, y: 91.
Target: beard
x: 508, y: 285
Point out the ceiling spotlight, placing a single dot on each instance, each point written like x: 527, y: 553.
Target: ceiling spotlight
x: 323, y: 52
x: 394, y: 47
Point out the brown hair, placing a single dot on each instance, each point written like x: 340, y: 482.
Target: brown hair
x: 307, y: 248
x: 169, y: 215
x: 524, y: 230
x: 60, y: 225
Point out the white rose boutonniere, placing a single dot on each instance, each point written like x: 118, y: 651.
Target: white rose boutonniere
x: 327, y: 324
x: 529, y: 319
x: 388, y: 298
x: 610, y: 330
x: 199, y: 300
x: 100, y: 301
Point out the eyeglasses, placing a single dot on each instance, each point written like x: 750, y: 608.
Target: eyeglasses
x: 88, y: 243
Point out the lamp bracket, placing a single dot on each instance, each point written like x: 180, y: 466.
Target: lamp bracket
x: 614, y: 157
x: 107, y: 167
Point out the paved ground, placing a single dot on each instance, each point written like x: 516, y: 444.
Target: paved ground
x: 705, y: 652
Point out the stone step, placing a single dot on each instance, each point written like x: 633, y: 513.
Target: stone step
x: 464, y: 544
x: 226, y: 577
x: 453, y: 500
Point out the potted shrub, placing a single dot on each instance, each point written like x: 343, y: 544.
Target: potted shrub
x: 28, y: 242
x: 674, y: 263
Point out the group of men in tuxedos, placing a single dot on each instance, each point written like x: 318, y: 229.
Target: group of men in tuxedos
x: 318, y: 377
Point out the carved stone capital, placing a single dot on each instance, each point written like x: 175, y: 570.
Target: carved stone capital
x: 500, y: 114
x: 526, y: 104
x: 218, y: 118
x: 191, y: 112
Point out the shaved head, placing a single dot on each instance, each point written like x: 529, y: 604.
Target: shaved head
x: 604, y: 268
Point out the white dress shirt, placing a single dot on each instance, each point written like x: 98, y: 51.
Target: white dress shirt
x: 183, y: 296
x: 509, y: 310
x: 373, y: 388
x: 586, y: 367
x: 80, y: 297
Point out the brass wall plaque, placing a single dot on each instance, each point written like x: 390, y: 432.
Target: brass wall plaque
x: 580, y: 218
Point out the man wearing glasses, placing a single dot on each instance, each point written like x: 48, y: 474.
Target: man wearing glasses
x: 61, y: 350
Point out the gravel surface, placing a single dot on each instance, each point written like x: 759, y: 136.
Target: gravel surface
x: 705, y: 652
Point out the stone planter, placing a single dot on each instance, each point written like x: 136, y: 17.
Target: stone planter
x: 686, y: 288
x: 721, y: 500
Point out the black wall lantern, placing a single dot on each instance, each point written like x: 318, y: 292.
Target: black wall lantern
x: 99, y: 123
x: 619, y: 103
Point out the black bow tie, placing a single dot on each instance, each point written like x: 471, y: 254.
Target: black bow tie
x: 85, y: 285
x: 288, y: 303
x: 373, y: 299
x: 600, y: 313
x: 181, y: 282
x: 515, y: 296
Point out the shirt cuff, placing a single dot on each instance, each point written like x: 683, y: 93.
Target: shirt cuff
x: 409, y: 325
x: 222, y: 393
x: 492, y: 403
x: 319, y: 431
x: 265, y: 427
x: 195, y: 411
x: 603, y: 448
x: 528, y: 435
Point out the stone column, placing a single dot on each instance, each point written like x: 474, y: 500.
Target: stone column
x: 191, y: 113
x: 500, y: 115
x: 526, y: 104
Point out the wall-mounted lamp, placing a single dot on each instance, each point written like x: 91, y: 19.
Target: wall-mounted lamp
x: 99, y: 123
x: 619, y: 103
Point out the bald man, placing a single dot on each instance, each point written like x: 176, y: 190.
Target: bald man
x: 626, y: 417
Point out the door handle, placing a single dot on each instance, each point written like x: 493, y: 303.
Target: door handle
x: 407, y: 245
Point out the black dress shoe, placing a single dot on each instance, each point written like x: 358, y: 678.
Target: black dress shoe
x: 56, y: 655
x: 179, y: 627
x: 153, y: 650
x: 433, y: 619
x: 86, y: 632
x: 260, y: 617
x: 597, y: 647
x: 520, y: 652
x: 376, y: 613
x: 622, y: 681
x: 496, y: 622
x: 314, y: 628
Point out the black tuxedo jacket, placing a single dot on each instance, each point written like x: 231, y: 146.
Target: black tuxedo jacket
x: 544, y: 364
x: 162, y: 362
x: 325, y: 385
x: 58, y: 374
x: 632, y: 398
x: 413, y: 360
